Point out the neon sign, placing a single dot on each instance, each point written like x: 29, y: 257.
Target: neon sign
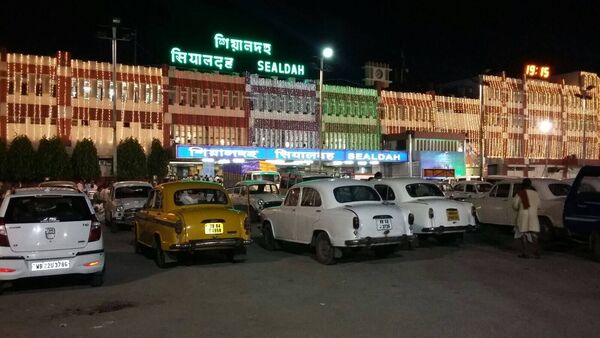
x: 214, y: 61
x: 238, y: 45
x: 280, y: 68
x: 290, y: 154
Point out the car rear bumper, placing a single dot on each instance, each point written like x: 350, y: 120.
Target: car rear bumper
x: 211, y: 244
x: 371, y: 241
x: 447, y: 229
x: 23, y: 267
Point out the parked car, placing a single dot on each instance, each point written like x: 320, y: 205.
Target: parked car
x: 49, y: 231
x: 493, y: 179
x: 288, y: 180
x: 124, y: 200
x: 470, y: 189
x: 271, y: 176
x: 189, y: 217
x: 255, y: 195
x: 336, y: 214
x: 582, y: 211
x: 434, y: 215
x: 445, y: 187
x: 496, y: 206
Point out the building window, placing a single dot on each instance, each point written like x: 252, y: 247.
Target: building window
x: 159, y: 94
x: 99, y: 90
x: 38, y: 87
x: 74, y: 87
x: 126, y: 124
x: 124, y: 92
x: 87, y: 89
x: 74, y: 122
x: 136, y: 93
x: 23, y: 85
x: 111, y: 91
x: 11, y: 87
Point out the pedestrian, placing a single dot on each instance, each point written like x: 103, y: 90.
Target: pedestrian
x: 527, y: 226
x: 80, y: 186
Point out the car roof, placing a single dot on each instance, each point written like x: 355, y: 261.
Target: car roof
x: 251, y: 182
x: 46, y: 191
x: 332, y: 183
x: 131, y: 183
x: 262, y: 172
x: 406, y: 180
x: 190, y: 184
x: 473, y: 182
x: 533, y: 180
x: 50, y: 183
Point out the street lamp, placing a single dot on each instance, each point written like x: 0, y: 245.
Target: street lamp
x: 326, y: 53
x: 584, y: 96
x: 545, y: 127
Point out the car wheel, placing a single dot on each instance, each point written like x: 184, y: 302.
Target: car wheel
x: 384, y: 250
x: 595, y: 243
x: 546, y: 231
x: 97, y: 279
x: 269, y: 240
x: 325, y: 252
x: 137, y: 245
x: 159, y: 255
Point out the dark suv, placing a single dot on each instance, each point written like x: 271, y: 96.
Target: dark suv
x: 582, y: 209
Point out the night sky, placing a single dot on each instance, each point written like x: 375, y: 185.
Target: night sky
x: 440, y: 42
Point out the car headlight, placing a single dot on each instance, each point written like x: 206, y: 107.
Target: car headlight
x: 120, y: 208
x: 261, y: 204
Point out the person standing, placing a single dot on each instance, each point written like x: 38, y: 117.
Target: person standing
x: 527, y: 226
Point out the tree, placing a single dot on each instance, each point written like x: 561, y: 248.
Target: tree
x: 131, y: 160
x: 85, y: 160
x: 158, y: 160
x: 53, y: 154
x: 22, y: 159
x: 3, y: 162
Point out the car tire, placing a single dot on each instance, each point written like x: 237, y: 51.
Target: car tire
x: 384, y: 251
x: 595, y: 245
x: 324, y: 251
x: 269, y: 240
x: 97, y: 279
x: 159, y: 255
x: 547, y: 235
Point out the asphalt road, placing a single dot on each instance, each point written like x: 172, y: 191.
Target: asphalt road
x: 478, y: 289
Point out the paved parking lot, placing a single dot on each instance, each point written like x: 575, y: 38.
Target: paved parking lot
x: 477, y: 289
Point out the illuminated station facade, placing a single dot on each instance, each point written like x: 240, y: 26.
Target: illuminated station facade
x: 269, y: 112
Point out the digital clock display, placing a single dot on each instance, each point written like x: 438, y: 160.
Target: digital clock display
x: 542, y: 72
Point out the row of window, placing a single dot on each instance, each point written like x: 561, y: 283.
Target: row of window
x: 437, y: 145
x: 278, y: 138
x: 205, y: 97
x: 224, y: 136
x: 283, y: 103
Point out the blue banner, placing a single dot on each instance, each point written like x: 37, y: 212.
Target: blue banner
x: 288, y: 154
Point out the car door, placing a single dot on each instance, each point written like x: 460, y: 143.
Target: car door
x: 499, y: 205
x: 458, y: 191
x: 470, y: 191
x: 285, y: 222
x: 142, y: 219
x: 308, y: 213
x: 582, y: 206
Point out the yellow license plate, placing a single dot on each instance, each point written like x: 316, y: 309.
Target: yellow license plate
x: 452, y: 215
x: 213, y: 228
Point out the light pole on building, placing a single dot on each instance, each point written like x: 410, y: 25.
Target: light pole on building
x: 115, y: 24
x: 545, y: 127
x: 584, y: 96
x: 326, y: 53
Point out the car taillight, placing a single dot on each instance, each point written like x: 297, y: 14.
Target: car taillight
x: 355, y: 222
x: 7, y: 270
x: 3, y: 234
x: 95, y: 230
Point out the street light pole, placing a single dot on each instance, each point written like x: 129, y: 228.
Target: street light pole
x: 320, y: 114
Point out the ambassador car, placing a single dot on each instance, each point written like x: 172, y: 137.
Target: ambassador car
x: 186, y: 217
x: 255, y: 195
x: 434, y: 215
x: 49, y: 231
x: 124, y: 200
x: 496, y: 206
x: 470, y: 189
x: 336, y: 214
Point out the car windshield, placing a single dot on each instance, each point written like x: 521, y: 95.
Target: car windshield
x: 559, y: 189
x: 263, y: 189
x: 132, y: 192
x: 200, y: 196
x: 268, y: 177
x: 424, y: 190
x: 40, y: 209
x: 355, y: 193
x: 484, y: 187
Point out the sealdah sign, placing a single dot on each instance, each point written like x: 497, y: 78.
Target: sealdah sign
x: 280, y: 68
x: 375, y: 156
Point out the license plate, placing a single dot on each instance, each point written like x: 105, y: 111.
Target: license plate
x: 384, y: 224
x: 50, y: 265
x: 213, y: 228
x: 452, y: 215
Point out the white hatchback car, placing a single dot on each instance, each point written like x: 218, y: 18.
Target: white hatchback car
x: 49, y: 231
x: 496, y: 206
x: 433, y: 213
x: 335, y: 214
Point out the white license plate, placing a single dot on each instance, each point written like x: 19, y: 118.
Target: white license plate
x: 213, y: 228
x: 384, y: 224
x: 50, y: 265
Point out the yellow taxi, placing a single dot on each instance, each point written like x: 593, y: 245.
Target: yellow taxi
x: 189, y: 217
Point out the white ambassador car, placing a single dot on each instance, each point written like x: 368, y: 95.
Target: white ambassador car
x: 252, y: 196
x: 335, y: 214
x: 434, y: 214
x: 125, y: 199
x: 496, y: 206
x: 49, y: 231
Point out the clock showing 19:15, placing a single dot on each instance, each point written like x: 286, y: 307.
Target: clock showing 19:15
x: 542, y: 72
